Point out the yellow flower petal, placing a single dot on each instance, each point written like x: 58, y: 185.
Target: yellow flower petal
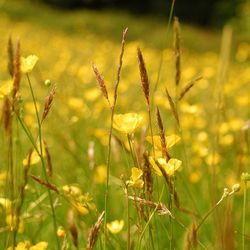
x: 6, y: 88
x: 127, y: 123
x: 28, y: 63
x: 115, y: 226
x: 136, y: 174
x: 154, y: 165
x: 171, y: 140
x: 34, y: 158
x: 100, y: 174
x: 40, y: 246
x: 173, y: 165
x: 135, y: 180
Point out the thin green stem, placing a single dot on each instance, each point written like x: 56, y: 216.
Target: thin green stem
x: 149, y: 220
x: 161, y: 57
x: 244, y: 215
x: 111, y: 130
x: 128, y: 219
x: 151, y: 129
x: 43, y: 163
x: 135, y: 160
x: 225, y: 195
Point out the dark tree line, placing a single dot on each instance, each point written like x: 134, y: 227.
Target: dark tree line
x: 203, y: 12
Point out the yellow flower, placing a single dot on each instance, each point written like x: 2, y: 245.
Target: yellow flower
x: 11, y: 221
x: 28, y: 63
x: 127, y: 123
x: 27, y: 246
x: 171, y: 140
x: 6, y: 88
x: 7, y: 205
x: 60, y: 232
x: 115, y: 226
x: 40, y: 246
x: 135, y: 179
x: 100, y: 174
x: 169, y: 167
x: 34, y: 158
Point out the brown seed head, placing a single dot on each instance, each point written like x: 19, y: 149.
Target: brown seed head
x: 17, y: 72
x: 165, y: 152
x: 45, y: 183
x: 93, y: 235
x: 10, y: 57
x: 191, y: 238
x: 48, y: 102
x: 49, y: 162
x: 143, y: 74
x: 173, y: 107
x: 6, y: 115
x: 177, y: 50
x: 100, y: 81
x: 147, y: 177
x: 72, y: 227
x: 188, y: 87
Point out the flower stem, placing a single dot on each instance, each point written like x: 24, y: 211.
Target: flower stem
x: 244, y: 215
x: 43, y: 163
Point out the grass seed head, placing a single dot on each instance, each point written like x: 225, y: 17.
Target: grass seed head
x: 10, y: 56
x: 144, y: 75
x: 94, y: 232
x: 177, y: 50
x: 162, y: 135
x: 48, y: 102
x: 100, y: 81
x: 17, y: 72
x: 6, y: 115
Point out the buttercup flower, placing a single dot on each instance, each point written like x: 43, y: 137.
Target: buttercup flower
x: 169, y: 167
x: 115, y: 226
x: 135, y: 179
x: 171, y: 140
x: 127, y: 123
x: 26, y: 245
x: 28, y: 63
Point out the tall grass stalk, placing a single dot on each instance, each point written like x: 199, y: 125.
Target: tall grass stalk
x: 244, y: 215
x: 171, y: 12
x: 111, y: 130
x: 42, y: 161
x: 220, y: 103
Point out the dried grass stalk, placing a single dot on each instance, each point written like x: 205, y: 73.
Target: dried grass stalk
x: 165, y: 152
x: 72, y: 227
x: 48, y: 103
x: 144, y: 75
x: 124, y: 34
x: 6, y: 115
x: 188, y: 87
x: 10, y: 56
x: 191, y: 238
x: 173, y: 107
x: 171, y: 188
x: 177, y: 51
x: 49, y: 162
x: 45, y: 183
x: 93, y: 235
x: 17, y: 72
x: 147, y: 177
x: 160, y: 207
x: 100, y: 81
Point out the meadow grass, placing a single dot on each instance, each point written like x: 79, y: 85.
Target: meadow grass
x: 111, y: 140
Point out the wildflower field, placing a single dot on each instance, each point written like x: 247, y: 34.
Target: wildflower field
x: 122, y: 132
